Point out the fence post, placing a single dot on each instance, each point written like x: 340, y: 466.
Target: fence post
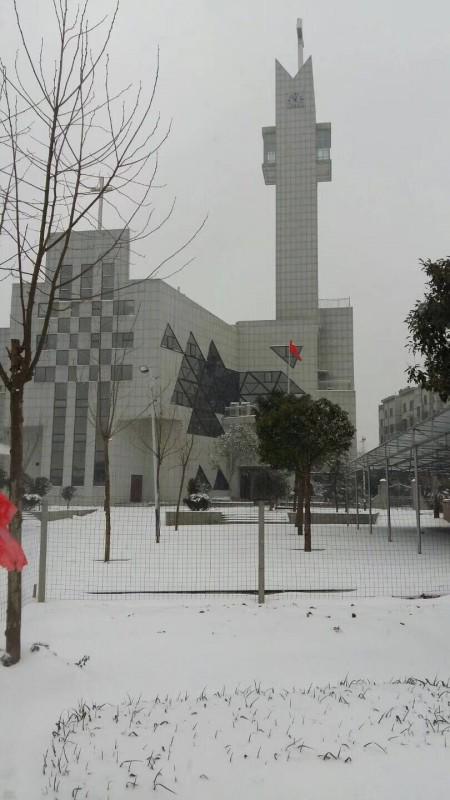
x: 417, y: 499
x: 346, y: 500
x: 388, y: 501
x: 43, y: 551
x: 261, y: 554
x: 357, y: 499
x: 369, y: 489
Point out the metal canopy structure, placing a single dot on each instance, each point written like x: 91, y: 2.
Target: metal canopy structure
x: 424, y: 447
x: 430, y: 440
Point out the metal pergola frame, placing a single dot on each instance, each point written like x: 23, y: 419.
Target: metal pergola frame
x: 427, y: 442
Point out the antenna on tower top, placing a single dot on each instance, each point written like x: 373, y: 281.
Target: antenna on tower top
x: 300, y: 42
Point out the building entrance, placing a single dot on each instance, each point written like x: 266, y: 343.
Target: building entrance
x: 136, y: 489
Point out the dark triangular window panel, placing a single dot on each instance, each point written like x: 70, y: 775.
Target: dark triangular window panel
x: 179, y: 396
x: 204, y: 423
x: 201, y: 479
x: 282, y: 350
x: 214, y: 356
x: 170, y: 341
x: 186, y: 372
x: 221, y: 484
x: 190, y: 390
x: 248, y: 382
x: 192, y: 348
x: 197, y: 365
x: 282, y: 385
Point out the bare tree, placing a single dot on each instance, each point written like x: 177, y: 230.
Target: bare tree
x: 239, y: 443
x: 62, y: 125
x: 163, y: 445
x: 185, y: 454
x: 107, y: 416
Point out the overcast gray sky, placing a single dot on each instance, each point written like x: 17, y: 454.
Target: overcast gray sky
x: 382, y: 75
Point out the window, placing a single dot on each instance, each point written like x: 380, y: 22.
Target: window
x: 106, y: 324
x: 75, y: 310
x: 271, y: 156
x: 123, y: 307
x: 64, y: 325
x: 86, y: 281
x: 83, y: 357
x: 65, y: 282
x: 59, y: 424
x: 123, y: 339
x: 93, y: 373
x: 391, y: 412
x: 121, y: 372
x: 84, y: 324
x: 72, y: 376
x: 56, y: 308
x: 62, y: 357
x: 105, y: 357
x: 49, y: 341
x: 418, y: 412
x: 95, y: 340
x: 411, y: 405
x: 73, y: 341
x: 323, y: 136
x: 80, y: 434
x: 107, y: 280
x: 44, y: 374
x: 96, y: 308
x: 323, y: 154
x: 103, y: 409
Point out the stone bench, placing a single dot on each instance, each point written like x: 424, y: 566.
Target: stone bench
x: 195, y: 517
x: 331, y: 518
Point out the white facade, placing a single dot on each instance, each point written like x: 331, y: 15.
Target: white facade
x: 107, y: 326
x: 411, y: 406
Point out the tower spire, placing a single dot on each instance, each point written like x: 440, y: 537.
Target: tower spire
x: 300, y: 42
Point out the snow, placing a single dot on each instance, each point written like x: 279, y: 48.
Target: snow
x: 312, y: 673
x: 313, y: 695
x: 223, y: 558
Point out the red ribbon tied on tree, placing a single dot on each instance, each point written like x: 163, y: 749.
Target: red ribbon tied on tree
x: 12, y: 556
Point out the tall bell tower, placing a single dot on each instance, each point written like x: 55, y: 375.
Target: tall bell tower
x: 296, y: 158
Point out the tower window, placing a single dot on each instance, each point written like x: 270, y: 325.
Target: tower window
x: 271, y: 156
x: 323, y: 154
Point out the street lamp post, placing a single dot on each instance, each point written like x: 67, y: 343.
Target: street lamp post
x: 146, y: 371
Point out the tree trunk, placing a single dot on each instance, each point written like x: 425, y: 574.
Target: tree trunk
x: 180, y: 492
x: 14, y: 608
x: 336, y: 499
x: 107, y: 505
x: 436, y: 506
x: 299, y: 484
x: 307, y: 491
x: 157, y: 506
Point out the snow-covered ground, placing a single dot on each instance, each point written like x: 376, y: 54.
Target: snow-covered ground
x: 224, y: 699
x: 223, y: 558
x: 339, y: 689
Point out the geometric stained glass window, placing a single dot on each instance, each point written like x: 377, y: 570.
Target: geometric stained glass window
x: 170, y: 341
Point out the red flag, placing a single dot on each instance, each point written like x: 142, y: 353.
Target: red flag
x: 12, y: 556
x: 294, y: 351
